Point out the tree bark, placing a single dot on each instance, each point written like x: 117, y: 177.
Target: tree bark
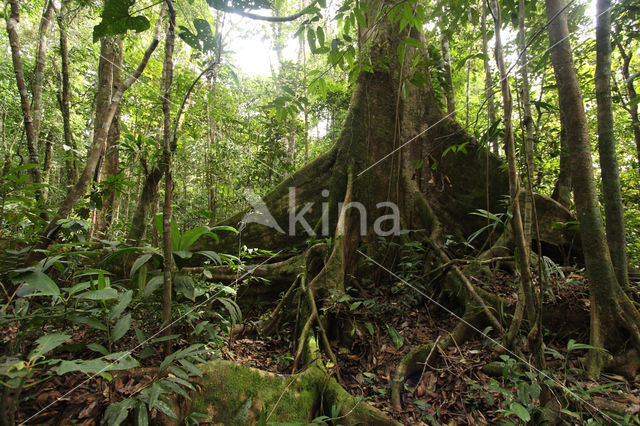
x: 488, y: 81
x: 611, y: 310
x: 110, y: 162
x: 147, y: 195
x: 613, y: 211
x: 38, y: 72
x: 16, y: 56
x: 449, y: 93
x: 65, y: 96
x: 527, y: 123
x: 631, y: 94
x: 517, y: 225
x: 562, y: 188
x: 167, y: 82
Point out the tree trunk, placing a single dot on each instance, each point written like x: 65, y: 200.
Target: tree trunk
x: 47, y: 162
x: 449, y: 93
x: 488, y: 81
x: 32, y: 137
x: 147, y: 195
x: 38, y: 72
x: 65, y: 96
x: 167, y: 82
x: 527, y: 123
x: 562, y: 189
x: 110, y: 161
x: 631, y: 94
x: 612, y: 312
x: 607, y: 146
x: 517, y: 226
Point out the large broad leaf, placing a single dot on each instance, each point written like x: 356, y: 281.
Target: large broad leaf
x: 104, y: 294
x: 123, y: 302
x: 139, y: 262
x: 153, y: 284
x: 117, y: 20
x: 211, y: 255
x: 48, y: 343
x: 398, y: 340
x: 118, y: 412
x: 122, y: 326
x: 234, y: 310
x: 191, y: 236
x: 36, y: 283
x: 184, y: 283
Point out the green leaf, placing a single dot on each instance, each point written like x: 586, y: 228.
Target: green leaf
x: 400, y: 53
x: 164, y: 407
x: 311, y: 39
x: 189, y: 38
x: 153, y: 284
x: 91, y: 322
x: 104, y: 294
x: 96, y: 347
x: 193, y: 369
x: 36, y: 283
x: 48, y: 343
x: 121, y: 328
x: 486, y: 214
x: 178, y: 372
x: 396, y: 338
x: 139, y: 262
x: 191, y: 236
x: 154, y: 393
x: 369, y: 328
x: 520, y: 411
x: 360, y: 17
x: 123, y: 302
x: 92, y: 366
x: 184, y: 284
x: 142, y: 414
x: 211, y: 255
x: 117, y: 20
x: 116, y: 413
x: 233, y: 309
x: 176, y: 388
x: 320, y: 35
x: 165, y: 338
x: 412, y: 42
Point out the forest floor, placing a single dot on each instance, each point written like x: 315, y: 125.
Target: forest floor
x: 454, y: 391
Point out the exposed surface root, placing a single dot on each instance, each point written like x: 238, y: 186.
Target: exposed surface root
x: 235, y: 394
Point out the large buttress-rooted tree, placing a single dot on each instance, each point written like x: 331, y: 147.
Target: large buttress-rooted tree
x: 614, y: 318
x: 375, y: 162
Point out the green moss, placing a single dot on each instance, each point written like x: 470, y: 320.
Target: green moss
x: 235, y: 394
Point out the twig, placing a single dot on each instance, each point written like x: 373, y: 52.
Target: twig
x: 426, y: 361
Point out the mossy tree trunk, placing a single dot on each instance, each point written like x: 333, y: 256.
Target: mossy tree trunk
x: 376, y: 159
x: 614, y: 318
x: 607, y: 146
